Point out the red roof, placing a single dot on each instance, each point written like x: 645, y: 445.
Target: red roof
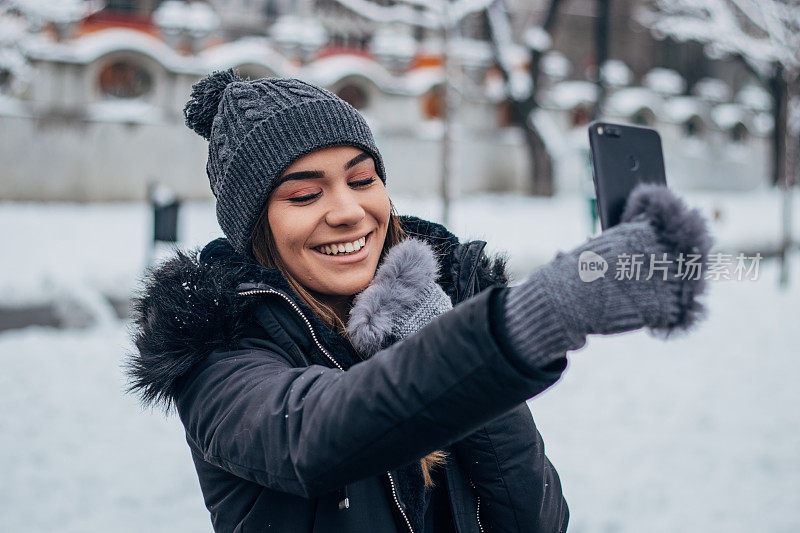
x: 103, y: 20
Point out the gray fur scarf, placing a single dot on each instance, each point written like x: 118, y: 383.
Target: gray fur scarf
x: 401, y: 299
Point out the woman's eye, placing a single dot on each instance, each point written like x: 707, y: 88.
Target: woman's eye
x: 362, y: 183
x: 306, y: 198
x: 358, y: 184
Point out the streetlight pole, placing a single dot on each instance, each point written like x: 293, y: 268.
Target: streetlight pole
x: 449, y: 109
x: 603, y: 8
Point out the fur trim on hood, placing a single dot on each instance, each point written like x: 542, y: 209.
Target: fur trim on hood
x: 187, y: 308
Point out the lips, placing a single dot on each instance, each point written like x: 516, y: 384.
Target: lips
x: 347, y: 256
x: 342, y: 247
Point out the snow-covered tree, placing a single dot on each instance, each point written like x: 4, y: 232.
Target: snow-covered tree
x: 521, y: 86
x: 430, y: 14
x: 15, y: 69
x: 185, y: 24
x: 765, y: 35
x: 62, y: 14
x: 19, y: 19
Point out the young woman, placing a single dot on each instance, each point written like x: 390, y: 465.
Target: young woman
x: 338, y: 367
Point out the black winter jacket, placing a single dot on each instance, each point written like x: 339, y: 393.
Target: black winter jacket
x: 290, y: 430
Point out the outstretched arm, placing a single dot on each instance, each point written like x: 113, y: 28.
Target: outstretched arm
x: 311, y: 430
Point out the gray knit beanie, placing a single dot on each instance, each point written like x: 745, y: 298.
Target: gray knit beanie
x: 257, y: 128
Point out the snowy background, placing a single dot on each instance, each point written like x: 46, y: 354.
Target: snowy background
x: 696, y: 434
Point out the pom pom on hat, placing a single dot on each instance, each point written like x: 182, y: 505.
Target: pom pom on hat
x: 202, y: 107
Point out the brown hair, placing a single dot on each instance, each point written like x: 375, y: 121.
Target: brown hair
x: 266, y: 253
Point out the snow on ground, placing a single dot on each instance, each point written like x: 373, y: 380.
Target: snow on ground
x: 696, y: 434
x: 77, y: 454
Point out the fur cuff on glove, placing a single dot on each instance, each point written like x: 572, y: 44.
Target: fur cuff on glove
x: 680, y: 230
x: 402, y: 297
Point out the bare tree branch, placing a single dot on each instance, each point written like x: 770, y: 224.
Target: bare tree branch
x: 766, y: 35
x: 728, y: 26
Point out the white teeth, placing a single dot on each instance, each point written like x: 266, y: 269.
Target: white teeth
x: 348, y: 247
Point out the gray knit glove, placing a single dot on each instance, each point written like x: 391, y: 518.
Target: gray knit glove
x: 402, y: 297
x: 559, y: 305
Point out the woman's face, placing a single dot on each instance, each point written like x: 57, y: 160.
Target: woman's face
x: 330, y: 198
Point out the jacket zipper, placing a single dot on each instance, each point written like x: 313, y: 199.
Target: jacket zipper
x: 397, y: 503
x: 332, y: 360
x: 299, y: 312
x: 478, y: 508
x: 471, y: 293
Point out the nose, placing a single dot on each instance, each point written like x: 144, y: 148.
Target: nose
x: 345, y: 209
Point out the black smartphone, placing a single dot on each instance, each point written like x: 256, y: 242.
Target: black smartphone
x: 622, y: 156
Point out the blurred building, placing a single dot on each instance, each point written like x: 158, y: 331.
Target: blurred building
x: 91, y: 100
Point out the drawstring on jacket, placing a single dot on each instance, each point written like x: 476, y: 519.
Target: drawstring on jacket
x: 344, y: 503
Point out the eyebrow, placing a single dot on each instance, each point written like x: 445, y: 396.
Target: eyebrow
x: 313, y: 174
x: 356, y: 160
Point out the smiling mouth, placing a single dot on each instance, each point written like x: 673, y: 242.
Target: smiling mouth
x: 343, y: 248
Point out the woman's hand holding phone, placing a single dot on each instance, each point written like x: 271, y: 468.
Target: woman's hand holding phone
x: 580, y: 292
x: 622, y: 157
